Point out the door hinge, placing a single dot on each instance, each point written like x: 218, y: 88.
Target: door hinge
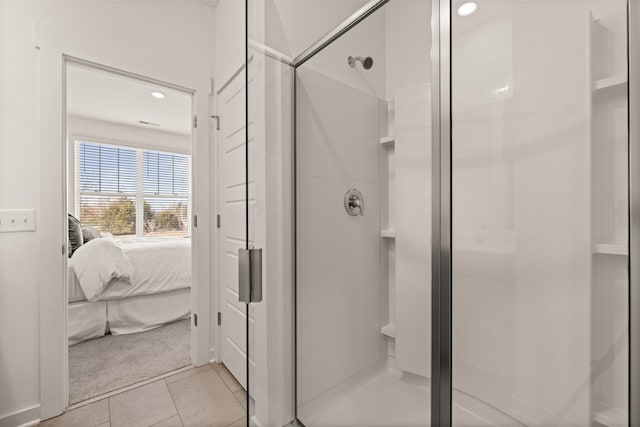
x: 250, y: 275
x: 219, y: 318
x: 217, y: 119
x: 218, y: 220
x: 195, y: 221
x: 64, y: 249
x: 195, y: 319
x: 195, y: 121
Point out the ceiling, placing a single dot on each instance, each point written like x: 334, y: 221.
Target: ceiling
x: 295, y: 25
x: 111, y: 97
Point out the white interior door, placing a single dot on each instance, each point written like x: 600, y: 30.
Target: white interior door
x: 231, y: 186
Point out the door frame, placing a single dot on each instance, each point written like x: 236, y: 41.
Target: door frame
x: 55, y: 47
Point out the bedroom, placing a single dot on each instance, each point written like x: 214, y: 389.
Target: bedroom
x: 129, y: 204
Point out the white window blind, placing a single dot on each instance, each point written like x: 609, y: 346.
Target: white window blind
x: 128, y: 191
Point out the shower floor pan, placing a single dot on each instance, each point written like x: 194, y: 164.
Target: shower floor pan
x: 388, y: 398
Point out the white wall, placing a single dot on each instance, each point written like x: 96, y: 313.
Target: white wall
x: 407, y: 81
x: 170, y: 32
x: 229, y: 40
x: 338, y: 141
x: 339, y: 282
x: 132, y: 136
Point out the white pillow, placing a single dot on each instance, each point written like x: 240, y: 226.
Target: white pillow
x: 99, y: 264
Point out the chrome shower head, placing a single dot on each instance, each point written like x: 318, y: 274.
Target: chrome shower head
x: 367, y: 62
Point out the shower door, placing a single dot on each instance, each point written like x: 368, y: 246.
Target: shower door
x: 363, y: 230
x: 540, y: 212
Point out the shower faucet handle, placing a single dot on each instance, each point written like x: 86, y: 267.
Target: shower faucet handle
x: 354, y: 202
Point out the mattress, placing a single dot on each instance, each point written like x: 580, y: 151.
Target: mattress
x: 160, y: 265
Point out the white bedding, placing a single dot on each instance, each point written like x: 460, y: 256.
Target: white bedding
x: 159, y: 265
x: 142, y: 313
x: 86, y: 320
x: 89, y: 320
x: 100, y: 266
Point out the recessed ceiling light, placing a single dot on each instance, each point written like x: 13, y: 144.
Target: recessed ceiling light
x: 157, y: 94
x: 467, y: 8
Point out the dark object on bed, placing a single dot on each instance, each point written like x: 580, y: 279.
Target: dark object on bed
x: 89, y: 233
x: 75, y: 234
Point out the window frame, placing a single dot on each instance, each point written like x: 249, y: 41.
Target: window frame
x: 139, y: 196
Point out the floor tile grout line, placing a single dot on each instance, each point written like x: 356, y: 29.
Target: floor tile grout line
x: 168, y: 418
x: 238, y: 400
x: 229, y: 388
x: 235, y: 421
x: 193, y: 371
x: 174, y: 402
x: 225, y: 383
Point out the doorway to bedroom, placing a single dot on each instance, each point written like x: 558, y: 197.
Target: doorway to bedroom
x: 129, y: 198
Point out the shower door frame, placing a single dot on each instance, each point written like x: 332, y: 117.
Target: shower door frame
x: 633, y: 57
x: 441, y: 280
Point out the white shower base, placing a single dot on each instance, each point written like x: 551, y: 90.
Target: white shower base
x: 388, y: 398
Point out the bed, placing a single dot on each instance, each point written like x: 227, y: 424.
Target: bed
x: 125, y: 286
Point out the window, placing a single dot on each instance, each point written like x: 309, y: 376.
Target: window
x: 133, y: 192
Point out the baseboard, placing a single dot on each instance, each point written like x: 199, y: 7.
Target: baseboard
x: 213, y: 357
x: 23, y: 418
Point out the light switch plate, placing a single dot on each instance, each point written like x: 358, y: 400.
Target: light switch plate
x: 16, y: 220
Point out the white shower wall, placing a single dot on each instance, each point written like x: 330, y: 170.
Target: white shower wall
x: 339, y: 284
x: 408, y: 91
x: 525, y: 303
x: 339, y: 280
x: 340, y: 126
x: 413, y: 228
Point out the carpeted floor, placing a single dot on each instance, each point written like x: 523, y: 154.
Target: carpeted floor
x: 105, y: 364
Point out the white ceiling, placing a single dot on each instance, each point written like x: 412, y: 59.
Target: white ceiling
x: 114, y: 98
x: 295, y: 25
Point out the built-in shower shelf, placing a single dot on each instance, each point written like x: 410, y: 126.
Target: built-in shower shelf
x: 612, y: 417
x: 388, y: 140
x: 614, y: 82
x: 611, y: 248
x: 389, y: 234
x: 389, y: 330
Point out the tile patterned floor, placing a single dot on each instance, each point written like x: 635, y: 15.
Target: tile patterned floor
x: 208, y: 396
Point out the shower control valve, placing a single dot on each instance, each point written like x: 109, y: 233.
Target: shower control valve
x: 354, y: 202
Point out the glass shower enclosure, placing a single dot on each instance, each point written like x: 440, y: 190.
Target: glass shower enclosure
x: 441, y: 190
